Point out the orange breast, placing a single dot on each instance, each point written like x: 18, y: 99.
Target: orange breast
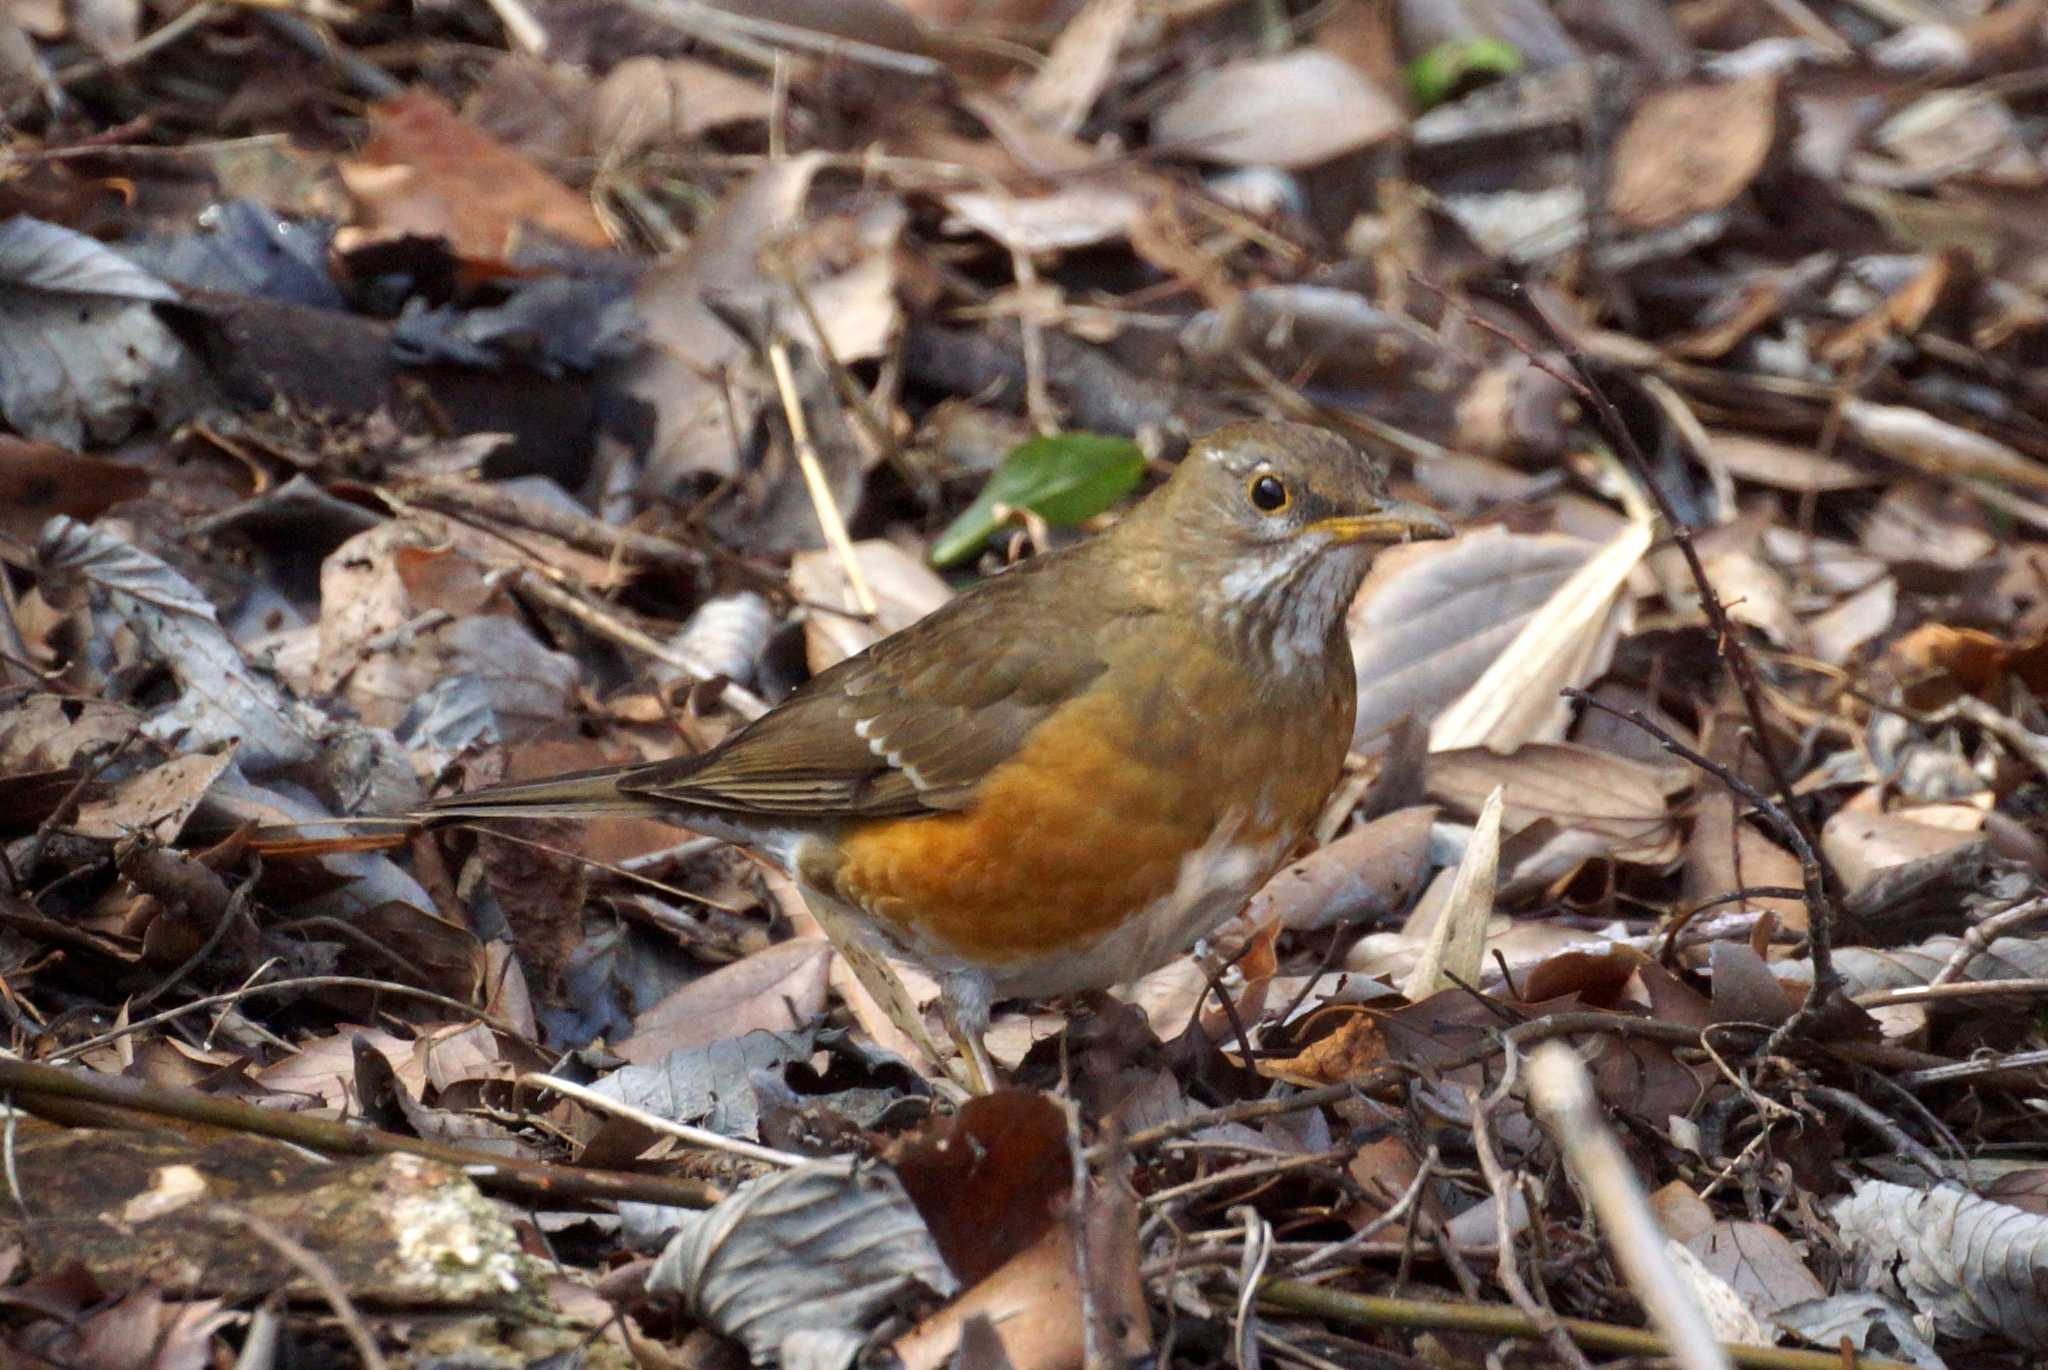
x: 1079, y: 831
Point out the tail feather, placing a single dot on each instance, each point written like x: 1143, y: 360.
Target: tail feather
x: 579, y: 794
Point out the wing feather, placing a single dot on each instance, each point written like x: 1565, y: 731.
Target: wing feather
x: 909, y: 726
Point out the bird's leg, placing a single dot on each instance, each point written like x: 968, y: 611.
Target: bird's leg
x: 964, y: 1003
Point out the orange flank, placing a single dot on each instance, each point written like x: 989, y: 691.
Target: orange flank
x: 1065, y: 841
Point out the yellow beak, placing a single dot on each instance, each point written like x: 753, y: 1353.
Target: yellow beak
x: 1394, y: 521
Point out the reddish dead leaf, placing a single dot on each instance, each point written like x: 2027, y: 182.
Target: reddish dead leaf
x: 1355, y: 1047
x: 1975, y: 660
x: 41, y: 479
x: 988, y: 1180
x: 1036, y: 1306
x: 429, y: 172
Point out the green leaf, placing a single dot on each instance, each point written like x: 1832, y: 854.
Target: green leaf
x: 1435, y: 75
x: 1062, y: 479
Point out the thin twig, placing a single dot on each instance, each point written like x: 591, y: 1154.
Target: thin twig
x: 1822, y: 914
x: 744, y: 702
x: 1252, y: 1170
x: 830, y: 520
x: 1409, y: 1198
x: 317, y: 1272
x: 1968, y: 989
x: 654, y: 1122
x: 1506, y: 1268
x: 1812, y: 875
x: 280, y: 986
x: 67, y: 808
x: 1561, y: 1094
x: 1876, y: 1121
x: 45, y: 1090
x: 1379, y: 1077
x: 1338, y: 1305
x: 1981, y: 935
x: 483, y: 505
x: 2015, y: 1062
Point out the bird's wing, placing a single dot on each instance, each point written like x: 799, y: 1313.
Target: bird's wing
x: 909, y: 726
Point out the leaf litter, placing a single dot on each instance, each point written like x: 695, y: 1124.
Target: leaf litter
x: 405, y: 398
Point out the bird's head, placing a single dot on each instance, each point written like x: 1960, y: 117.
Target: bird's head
x: 1273, y: 525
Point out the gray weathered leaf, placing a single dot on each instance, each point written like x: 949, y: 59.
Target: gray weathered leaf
x: 804, y: 1261
x: 82, y: 355
x: 1433, y: 618
x: 220, y: 700
x: 1971, y: 1264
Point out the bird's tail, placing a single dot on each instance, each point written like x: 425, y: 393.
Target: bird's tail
x: 579, y: 794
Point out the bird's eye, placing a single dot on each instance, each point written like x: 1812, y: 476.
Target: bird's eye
x: 1269, y: 494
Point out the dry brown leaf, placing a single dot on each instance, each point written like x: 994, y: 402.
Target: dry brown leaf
x: 1834, y: 635
x: 1915, y: 522
x: 1080, y: 64
x: 1753, y: 593
x: 1357, y: 1045
x: 325, y: 1070
x: 1567, y: 642
x: 1758, y: 1262
x: 1975, y: 660
x: 156, y: 801
x: 1432, y: 618
x: 375, y: 654
x: 429, y: 172
x: 1936, y: 447
x: 39, y: 479
x: 1076, y: 214
x: 688, y: 345
x: 1368, y: 872
x: 1859, y: 845
x: 1784, y: 465
x: 1624, y: 802
x: 1690, y: 149
x: 647, y: 103
x: 1300, y: 109
x: 1723, y: 856
x: 777, y: 989
x: 1970, y: 1265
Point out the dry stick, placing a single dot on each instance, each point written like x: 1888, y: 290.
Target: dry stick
x: 1964, y: 1070
x: 1561, y: 1095
x: 744, y: 702
x: 320, y: 1274
x: 829, y: 517
x: 1369, y: 1310
x: 1967, y: 989
x: 1981, y: 935
x: 654, y: 1122
x: 305, y: 982
x: 27, y: 1083
x: 1506, y: 1269
x: 585, y: 534
x: 1821, y: 913
x: 1869, y: 1115
x: 1788, y: 828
